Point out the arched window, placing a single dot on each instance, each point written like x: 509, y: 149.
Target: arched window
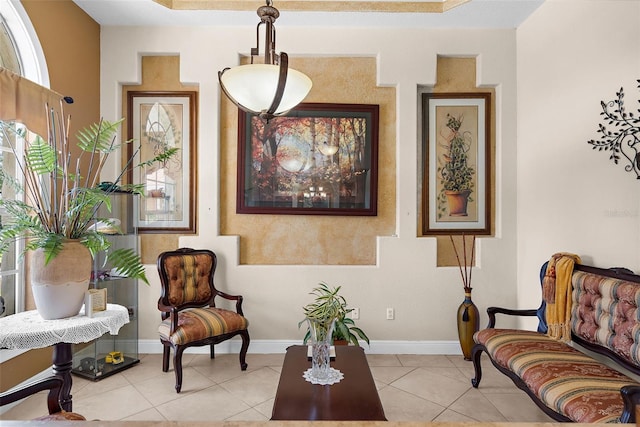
x: 9, y: 58
x: 21, y: 53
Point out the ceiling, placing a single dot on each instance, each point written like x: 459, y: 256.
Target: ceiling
x: 326, y: 13
x: 427, y: 6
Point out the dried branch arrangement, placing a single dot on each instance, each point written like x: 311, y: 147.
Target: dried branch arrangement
x: 466, y: 268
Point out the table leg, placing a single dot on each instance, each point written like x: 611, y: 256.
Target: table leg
x: 62, y: 363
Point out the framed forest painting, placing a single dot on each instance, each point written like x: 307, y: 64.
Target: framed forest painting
x: 319, y: 159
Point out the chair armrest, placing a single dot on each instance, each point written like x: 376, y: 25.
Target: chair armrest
x: 172, y: 311
x: 164, y: 309
x: 237, y: 298
x: 631, y: 398
x: 492, y: 311
x: 53, y: 384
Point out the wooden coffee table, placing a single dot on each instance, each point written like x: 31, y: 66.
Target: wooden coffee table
x: 354, y: 398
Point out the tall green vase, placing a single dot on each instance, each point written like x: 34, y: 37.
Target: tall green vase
x: 468, y: 324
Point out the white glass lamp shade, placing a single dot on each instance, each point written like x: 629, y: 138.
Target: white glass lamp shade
x: 253, y: 86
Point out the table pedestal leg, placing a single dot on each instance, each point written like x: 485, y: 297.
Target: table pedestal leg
x: 62, y: 363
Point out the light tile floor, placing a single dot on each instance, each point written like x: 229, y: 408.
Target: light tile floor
x: 411, y: 388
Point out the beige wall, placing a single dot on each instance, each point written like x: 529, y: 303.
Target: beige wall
x: 159, y: 73
x: 572, y: 55
x: 317, y: 239
x: 70, y: 40
x: 403, y: 275
x: 540, y: 145
x: 458, y: 74
x: 20, y: 368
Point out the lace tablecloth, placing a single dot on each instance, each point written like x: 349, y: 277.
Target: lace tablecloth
x: 28, y: 330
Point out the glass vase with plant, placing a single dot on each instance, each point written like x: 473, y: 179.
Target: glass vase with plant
x: 329, y: 300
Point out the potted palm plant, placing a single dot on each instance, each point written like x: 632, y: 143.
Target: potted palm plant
x: 58, y: 215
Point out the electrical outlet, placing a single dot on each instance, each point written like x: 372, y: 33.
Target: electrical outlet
x: 390, y: 314
x: 355, y: 313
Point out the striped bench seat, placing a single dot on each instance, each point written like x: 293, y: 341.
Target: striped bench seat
x: 564, y: 380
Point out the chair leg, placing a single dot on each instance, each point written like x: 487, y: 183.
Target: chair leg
x: 177, y: 366
x: 165, y: 357
x: 243, y: 350
x: 212, y: 352
x: 476, y: 353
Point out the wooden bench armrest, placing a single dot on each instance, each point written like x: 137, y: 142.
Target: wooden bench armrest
x: 53, y: 384
x: 492, y: 311
x: 631, y: 397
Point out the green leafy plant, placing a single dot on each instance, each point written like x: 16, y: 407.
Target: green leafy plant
x: 454, y: 172
x: 329, y: 304
x: 61, y: 199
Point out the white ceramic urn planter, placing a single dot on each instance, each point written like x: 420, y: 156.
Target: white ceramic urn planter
x: 59, y: 286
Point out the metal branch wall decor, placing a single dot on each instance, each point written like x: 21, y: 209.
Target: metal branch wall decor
x: 620, y: 133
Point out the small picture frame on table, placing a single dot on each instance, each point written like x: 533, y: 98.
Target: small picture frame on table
x: 95, y: 300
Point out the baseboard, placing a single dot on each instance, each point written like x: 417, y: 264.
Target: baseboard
x: 280, y: 346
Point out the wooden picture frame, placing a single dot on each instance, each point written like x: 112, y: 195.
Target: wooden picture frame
x: 319, y: 159
x: 157, y: 121
x: 456, y: 186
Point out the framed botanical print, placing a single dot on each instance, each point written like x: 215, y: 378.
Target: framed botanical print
x: 456, y: 173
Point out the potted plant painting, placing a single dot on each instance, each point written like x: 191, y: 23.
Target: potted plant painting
x: 456, y: 176
x: 57, y: 219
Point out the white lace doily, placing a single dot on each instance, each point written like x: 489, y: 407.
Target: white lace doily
x: 335, y: 376
x: 28, y: 330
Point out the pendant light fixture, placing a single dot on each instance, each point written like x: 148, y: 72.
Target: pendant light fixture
x: 266, y: 89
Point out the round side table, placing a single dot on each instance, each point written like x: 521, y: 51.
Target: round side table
x: 27, y: 330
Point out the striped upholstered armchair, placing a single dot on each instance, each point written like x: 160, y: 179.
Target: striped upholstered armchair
x: 188, y: 305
